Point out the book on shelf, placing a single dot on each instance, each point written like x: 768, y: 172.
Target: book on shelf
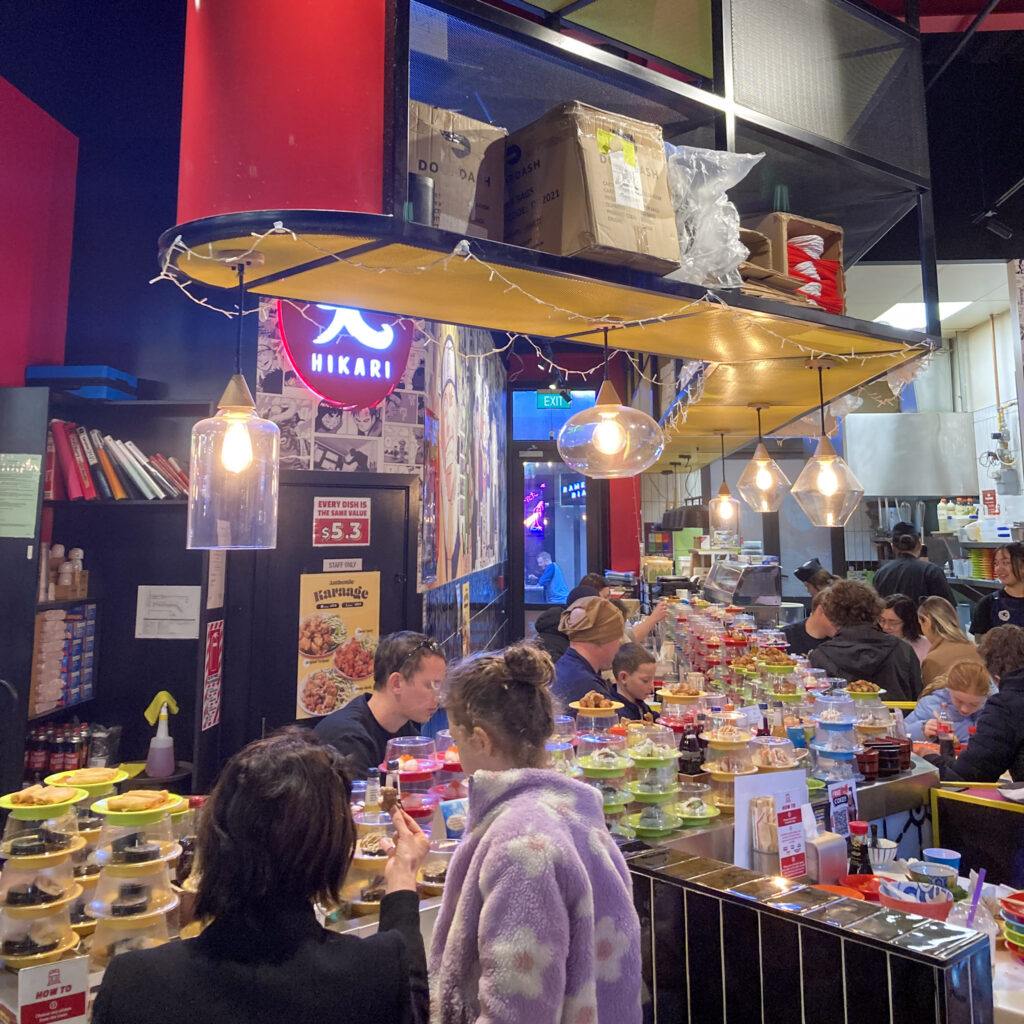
x: 89, y: 465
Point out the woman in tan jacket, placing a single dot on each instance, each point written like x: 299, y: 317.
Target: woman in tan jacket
x: 950, y: 643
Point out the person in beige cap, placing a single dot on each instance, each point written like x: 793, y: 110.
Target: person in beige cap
x: 594, y: 627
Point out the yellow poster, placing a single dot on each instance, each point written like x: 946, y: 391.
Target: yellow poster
x: 339, y: 625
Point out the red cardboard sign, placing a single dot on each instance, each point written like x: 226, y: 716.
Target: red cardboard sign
x: 351, y: 359
x: 341, y: 522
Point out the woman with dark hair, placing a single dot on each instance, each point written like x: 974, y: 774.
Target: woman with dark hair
x: 998, y: 743
x: 276, y: 836
x: 899, y: 618
x: 537, y: 922
x: 908, y: 573
x: 860, y: 650
x: 1004, y: 607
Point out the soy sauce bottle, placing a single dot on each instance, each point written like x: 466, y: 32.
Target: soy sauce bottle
x: 860, y: 859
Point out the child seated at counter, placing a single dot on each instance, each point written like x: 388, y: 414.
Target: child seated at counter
x: 961, y: 693
x: 633, y: 670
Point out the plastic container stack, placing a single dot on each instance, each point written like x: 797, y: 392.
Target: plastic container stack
x: 37, y: 884
x: 133, y: 896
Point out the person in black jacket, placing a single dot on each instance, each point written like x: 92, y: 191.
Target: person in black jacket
x: 860, y: 650
x: 276, y: 835
x: 908, y: 573
x: 998, y: 742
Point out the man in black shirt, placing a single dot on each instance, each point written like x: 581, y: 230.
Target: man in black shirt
x: 805, y: 635
x: 908, y: 573
x: 408, y: 670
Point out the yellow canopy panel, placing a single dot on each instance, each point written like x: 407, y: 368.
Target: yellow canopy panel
x: 756, y: 355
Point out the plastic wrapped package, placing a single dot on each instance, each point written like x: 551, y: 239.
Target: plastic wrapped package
x: 710, y: 250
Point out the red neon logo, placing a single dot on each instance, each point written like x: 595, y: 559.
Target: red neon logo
x: 349, y: 358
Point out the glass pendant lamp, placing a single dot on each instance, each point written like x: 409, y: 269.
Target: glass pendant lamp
x: 724, y: 509
x: 610, y: 440
x: 826, y: 488
x: 763, y: 485
x: 233, y: 478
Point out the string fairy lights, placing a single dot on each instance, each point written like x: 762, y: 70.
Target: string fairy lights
x: 688, y: 385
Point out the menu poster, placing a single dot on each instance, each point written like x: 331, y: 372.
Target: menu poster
x: 212, y: 674
x: 338, y: 630
x: 842, y: 806
x: 792, y: 853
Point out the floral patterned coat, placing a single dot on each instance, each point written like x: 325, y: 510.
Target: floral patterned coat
x: 537, y: 924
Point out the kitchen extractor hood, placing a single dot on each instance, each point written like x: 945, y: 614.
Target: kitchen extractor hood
x: 923, y: 454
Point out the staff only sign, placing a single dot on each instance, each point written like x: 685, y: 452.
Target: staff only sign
x: 349, y: 358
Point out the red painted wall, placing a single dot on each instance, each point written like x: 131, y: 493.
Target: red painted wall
x: 38, y: 163
x: 282, y: 106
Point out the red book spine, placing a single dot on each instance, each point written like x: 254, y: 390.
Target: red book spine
x: 53, y: 480
x: 66, y: 461
x: 180, y: 479
x: 84, y: 476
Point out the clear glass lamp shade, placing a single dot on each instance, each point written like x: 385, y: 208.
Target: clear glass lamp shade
x: 610, y: 440
x: 233, y: 481
x: 724, y: 511
x: 826, y: 488
x: 763, y: 485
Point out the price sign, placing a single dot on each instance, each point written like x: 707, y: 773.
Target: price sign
x: 341, y: 522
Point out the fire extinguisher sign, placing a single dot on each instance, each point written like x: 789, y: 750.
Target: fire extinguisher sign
x: 341, y: 522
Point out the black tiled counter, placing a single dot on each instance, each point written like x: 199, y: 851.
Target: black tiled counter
x: 724, y: 944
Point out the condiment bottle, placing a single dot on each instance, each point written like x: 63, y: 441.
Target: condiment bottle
x: 371, y: 800
x: 860, y: 859
x: 778, y: 725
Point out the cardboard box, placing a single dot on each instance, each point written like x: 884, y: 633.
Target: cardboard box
x: 584, y: 182
x: 780, y: 227
x: 464, y: 159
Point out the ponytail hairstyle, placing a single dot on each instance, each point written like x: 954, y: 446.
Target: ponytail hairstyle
x: 506, y: 693
x: 967, y: 676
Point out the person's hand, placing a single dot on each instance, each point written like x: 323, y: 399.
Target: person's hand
x: 404, y: 860
x: 931, y: 729
x: 531, y: 578
x: 659, y: 613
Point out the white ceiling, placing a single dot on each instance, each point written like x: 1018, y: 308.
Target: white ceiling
x: 872, y: 288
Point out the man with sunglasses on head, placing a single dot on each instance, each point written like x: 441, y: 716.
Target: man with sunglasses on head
x: 408, y: 670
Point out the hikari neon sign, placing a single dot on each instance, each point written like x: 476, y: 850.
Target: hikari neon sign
x: 347, y: 357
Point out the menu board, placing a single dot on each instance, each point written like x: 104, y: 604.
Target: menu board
x: 338, y: 630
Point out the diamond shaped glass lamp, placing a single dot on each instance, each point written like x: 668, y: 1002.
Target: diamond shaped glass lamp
x: 610, y: 440
x: 826, y: 488
x: 233, y: 478
x: 763, y: 485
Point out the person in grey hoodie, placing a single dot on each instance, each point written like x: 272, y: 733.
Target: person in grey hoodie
x: 860, y: 649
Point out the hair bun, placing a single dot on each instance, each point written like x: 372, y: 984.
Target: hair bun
x: 529, y: 664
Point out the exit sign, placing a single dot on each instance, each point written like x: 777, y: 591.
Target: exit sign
x: 552, y: 400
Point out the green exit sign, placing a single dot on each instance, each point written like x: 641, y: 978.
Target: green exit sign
x: 552, y: 400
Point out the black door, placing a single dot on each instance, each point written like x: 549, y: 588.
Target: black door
x: 391, y: 552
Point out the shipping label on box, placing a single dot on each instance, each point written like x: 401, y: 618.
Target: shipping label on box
x: 584, y: 182
x: 463, y: 157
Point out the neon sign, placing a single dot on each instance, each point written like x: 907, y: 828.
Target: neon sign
x: 348, y: 358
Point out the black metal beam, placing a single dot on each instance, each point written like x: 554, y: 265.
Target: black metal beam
x: 967, y: 36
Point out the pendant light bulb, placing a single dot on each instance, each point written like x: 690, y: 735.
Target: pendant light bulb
x: 236, y: 451
x: 609, y: 437
x: 611, y: 440
x: 763, y: 479
x: 828, y: 482
x: 762, y: 484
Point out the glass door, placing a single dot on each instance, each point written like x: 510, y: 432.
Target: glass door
x: 559, y: 538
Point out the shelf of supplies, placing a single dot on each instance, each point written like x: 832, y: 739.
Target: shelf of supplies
x: 126, y: 503
x: 985, y: 543
x: 57, y: 711
x: 46, y: 606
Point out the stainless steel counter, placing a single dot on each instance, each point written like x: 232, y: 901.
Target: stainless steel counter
x: 876, y: 800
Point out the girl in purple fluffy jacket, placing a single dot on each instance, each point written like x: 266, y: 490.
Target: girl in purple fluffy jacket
x: 537, y: 924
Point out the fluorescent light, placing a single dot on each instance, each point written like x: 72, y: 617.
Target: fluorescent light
x: 911, y: 316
